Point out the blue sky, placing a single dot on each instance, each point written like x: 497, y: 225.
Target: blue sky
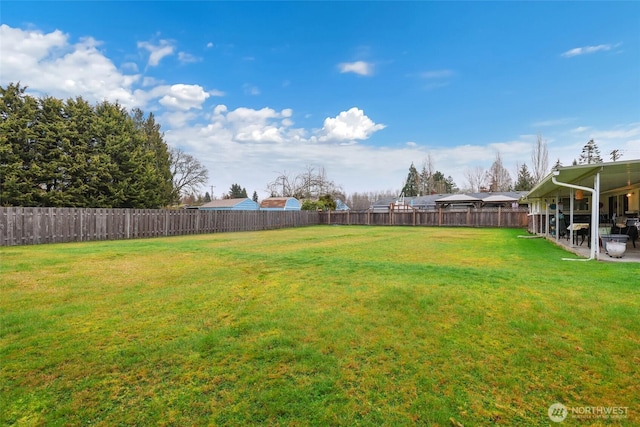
x: 361, y: 89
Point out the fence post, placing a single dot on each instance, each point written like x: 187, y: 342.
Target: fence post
x: 499, y: 214
x: 127, y: 223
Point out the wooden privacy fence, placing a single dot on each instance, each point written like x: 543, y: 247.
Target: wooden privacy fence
x: 26, y: 226
x: 483, y: 217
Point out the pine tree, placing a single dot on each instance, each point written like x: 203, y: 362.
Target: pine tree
x: 411, y: 186
x: 237, y: 192
x: 158, y: 177
x: 255, y: 196
x: 525, y: 180
x: 590, y: 154
x: 17, y: 147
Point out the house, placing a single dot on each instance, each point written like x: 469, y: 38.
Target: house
x: 241, y: 204
x: 341, y: 206
x: 458, y: 200
x: 435, y: 201
x: 404, y: 203
x: 280, y: 204
x: 596, y: 196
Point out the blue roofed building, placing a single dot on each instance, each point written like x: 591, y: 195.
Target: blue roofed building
x: 280, y: 204
x: 241, y: 204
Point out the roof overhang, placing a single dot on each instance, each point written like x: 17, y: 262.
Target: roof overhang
x: 458, y: 198
x: 614, y: 177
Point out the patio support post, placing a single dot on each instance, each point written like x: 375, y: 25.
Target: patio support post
x: 595, y: 206
x: 571, y: 216
x: 546, y: 218
x: 595, y: 215
x: 556, y: 215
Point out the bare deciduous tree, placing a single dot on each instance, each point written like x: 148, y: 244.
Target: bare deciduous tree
x: 426, y: 176
x: 498, y: 177
x: 539, y: 160
x: 476, y: 178
x: 310, y: 184
x: 187, y: 172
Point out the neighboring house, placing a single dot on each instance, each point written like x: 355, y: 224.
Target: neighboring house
x: 595, y: 195
x: 404, y: 203
x: 241, y: 204
x: 280, y: 204
x: 341, y: 206
x: 501, y: 198
x: 459, y: 201
x: 434, y: 201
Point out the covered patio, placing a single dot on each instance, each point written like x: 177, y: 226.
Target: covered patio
x: 592, y: 199
x: 631, y: 254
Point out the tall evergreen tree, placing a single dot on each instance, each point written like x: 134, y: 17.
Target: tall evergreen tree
x: 255, y: 196
x: 158, y: 170
x: 56, y: 153
x: 412, y: 184
x: 590, y: 154
x: 237, y: 192
x: 525, y: 180
x: 18, y: 110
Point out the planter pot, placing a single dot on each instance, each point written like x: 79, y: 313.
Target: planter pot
x: 616, y: 249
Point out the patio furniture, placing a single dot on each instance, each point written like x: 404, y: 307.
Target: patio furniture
x: 630, y: 229
x: 580, y: 229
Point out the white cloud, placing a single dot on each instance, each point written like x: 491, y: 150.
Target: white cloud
x: 436, y: 78
x: 184, y: 97
x: 130, y: 66
x: 619, y: 132
x: 348, y: 126
x: 157, y: 52
x: 250, y: 89
x: 187, y: 58
x: 586, y: 50
x: 209, y: 45
x: 216, y: 92
x: 580, y: 129
x: 49, y: 63
x: 359, y: 67
x: 553, y: 122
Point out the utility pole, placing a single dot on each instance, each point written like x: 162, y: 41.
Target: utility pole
x: 615, y: 155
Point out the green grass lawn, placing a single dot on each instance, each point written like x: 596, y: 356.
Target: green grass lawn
x: 315, y: 326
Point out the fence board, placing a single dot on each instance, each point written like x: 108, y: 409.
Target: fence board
x: 485, y: 217
x: 25, y: 226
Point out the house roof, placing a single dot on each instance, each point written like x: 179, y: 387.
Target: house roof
x: 276, y: 202
x: 614, y: 176
x: 224, y: 203
x: 458, y: 198
x: 499, y: 198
